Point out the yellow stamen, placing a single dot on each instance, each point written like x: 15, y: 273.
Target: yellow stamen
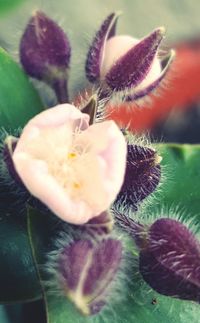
x: 71, y: 155
x: 77, y: 185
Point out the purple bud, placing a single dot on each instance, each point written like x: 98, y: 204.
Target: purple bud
x: 95, y: 54
x: 132, y: 68
x: 141, y: 177
x: 87, y: 270
x: 170, y: 261
x: 45, y: 53
x: 166, y: 64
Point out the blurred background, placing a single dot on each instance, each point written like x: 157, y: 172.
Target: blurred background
x: 173, y: 114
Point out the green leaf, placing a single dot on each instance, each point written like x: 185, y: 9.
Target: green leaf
x: 140, y: 303
x: 19, y: 100
x: 181, y: 179
x: 18, y: 277
x: 6, y: 5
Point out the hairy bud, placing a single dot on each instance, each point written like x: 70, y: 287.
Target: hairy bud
x: 45, y: 53
x: 87, y: 270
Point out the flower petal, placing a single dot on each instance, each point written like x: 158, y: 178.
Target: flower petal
x: 111, y: 150
x: 34, y: 173
x: 54, y: 117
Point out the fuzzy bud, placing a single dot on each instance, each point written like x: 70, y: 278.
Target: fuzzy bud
x: 87, y: 271
x: 45, y: 53
x: 126, y: 65
x: 141, y: 177
x: 170, y: 260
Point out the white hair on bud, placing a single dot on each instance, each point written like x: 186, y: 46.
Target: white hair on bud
x: 120, y: 282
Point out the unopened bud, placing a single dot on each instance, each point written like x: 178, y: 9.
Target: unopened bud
x: 170, y: 260
x: 87, y: 270
x: 45, y: 53
x: 142, y: 175
x: 126, y: 65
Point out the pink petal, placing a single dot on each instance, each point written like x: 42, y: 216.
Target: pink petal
x: 54, y: 117
x: 34, y: 173
x: 57, y: 116
x: 110, y: 146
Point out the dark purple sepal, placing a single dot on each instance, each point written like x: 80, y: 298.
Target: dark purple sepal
x: 45, y: 51
x: 91, y: 109
x: 95, y: 53
x: 87, y: 269
x: 135, y: 229
x: 10, y: 144
x: 170, y: 263
x: 131, y: 69
x: 142, y: 176
x: 166, y: 64
x: 101, y: 224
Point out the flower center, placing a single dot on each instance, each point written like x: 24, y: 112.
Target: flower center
x: 72, y: 160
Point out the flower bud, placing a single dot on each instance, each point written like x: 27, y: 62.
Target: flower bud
x: 124, y: 64
x: 87, y: 271
x: 170, y: 260
x: 141, y: 177
x: 45, y: 53
x: 130, y: 62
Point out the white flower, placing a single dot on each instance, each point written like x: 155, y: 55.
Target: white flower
x: 75, y: 169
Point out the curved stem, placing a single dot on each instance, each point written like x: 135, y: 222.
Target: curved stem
x: 60, y: 88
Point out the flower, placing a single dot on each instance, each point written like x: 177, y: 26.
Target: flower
x: 123, y: 63
x: 75, y: 169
